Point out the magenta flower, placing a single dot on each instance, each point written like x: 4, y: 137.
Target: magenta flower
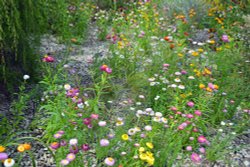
x: 173, y: 108
x: 64, y: 162
x: 103, y: 67
x: 108, y: 70
x: 71, y: 157
x: 211, y: 86
x: 48, y: 59
x: 109, y: 161
x: 87, y: 121
x: 190, y: 104
x: 225, y: 38
x: 190, y: 116
x: 183, y: 72
x: 3, y: 156
x: 195, y: 158
x: 104, y: 142
x: 202, y: 139
x: 60, y: 132
x: 85, y: 147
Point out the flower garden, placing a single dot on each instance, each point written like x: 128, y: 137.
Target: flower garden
x: 171, y: 88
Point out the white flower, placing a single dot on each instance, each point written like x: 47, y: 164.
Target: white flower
x: 231, y: 124
x: 157, y: 97
x: 67, y: 87
x: 80, y: 105
x: 141, y: 97
x: 131, y: 131
x: 140, y: 112
x: 220, y: 130
x: 9, y: 162
x: 152, y: 83
x: 158, y: 114
x: 200, y: 44
x: 25, y: 77
x: 110, y: 102
x: 181, y: 87
x: 191, y: 77
x: 148, y: 128
x: 148, y: 110
x: 138, y: 103
x: 173, y: 86
x: 151, y: 79
x: 223, y: 123
x: 177, y: 80
x: 73, y: 141
x: 164, y: 120
x: 177, y: 73
x: 102, y: 123
x: 132, y: 108
x: 233, y: 133
x: 157, y: 119
x: 164, y: 89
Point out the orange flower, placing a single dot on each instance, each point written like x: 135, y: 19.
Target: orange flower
x: 20, y: 148
x: 201, y: 86
x: 74, y: 40
x: 2, y: 148
x: 27, y: 146
x: 172, y: 46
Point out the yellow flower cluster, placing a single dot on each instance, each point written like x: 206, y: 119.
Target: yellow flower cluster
x: 147, y: 156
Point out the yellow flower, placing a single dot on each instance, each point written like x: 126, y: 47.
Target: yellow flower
x: 150, y: 145
x: 216, y: 87
x: 191, y: 65
x: 150, y: 160
x: 143, y: 156
x: 195, y: 53
x: 202, y: 86
x: 183, y: 96
x: 2, y: 148
x: 21, y: 148
x: 211, y: 41
x: 209, y: 89
x: 207, y: 71
x: 149, y: 154
x: 218, y: 49
x: 124, y: 137
x: 200, y: 50
x: 141, y: 149
x: 180, y: 54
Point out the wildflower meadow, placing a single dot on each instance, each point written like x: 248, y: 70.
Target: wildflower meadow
x: 133, y: 83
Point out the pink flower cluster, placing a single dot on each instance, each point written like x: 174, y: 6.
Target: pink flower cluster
x: 105, y: 68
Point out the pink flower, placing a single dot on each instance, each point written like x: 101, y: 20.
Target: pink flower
x: 71, y: 157
x: 183, y: 72
x: 109, y: 161
x: 63, y: 143
x: 87, y: 121
x: 197, y: 112
x: 94, y: 116
x: 190, y: 104
x: 189, y: 148
x: 103, y: 67
x: 57, y: 135
x: 173, y: 108
x: 211, y: 86
x: 166, y: 65
x: 108, y: 70
x: 202, y: 150
x: 54, y: 145
x: 202, y: 139
x: 85, y: 147
x: 64, y: 162
x: 195, y: 129
x: 104, y: 142
x: 73, y: 149
x: 190, y: 116
x: 195, y: 158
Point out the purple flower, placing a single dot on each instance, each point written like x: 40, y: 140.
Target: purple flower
x: 63, y: 143
x: 108, y: 70
x: 85, y: 147
x: 195, y: 158
x: 202, y: 139
x: 202, y: 150
x: 54, y: 145
x: 57, y: 135
x: 71, y: 157
x: 197, y: 112
x: 73, y: 149
x: 61, y: 132
x: 3, y: 156
x: 225, y: 38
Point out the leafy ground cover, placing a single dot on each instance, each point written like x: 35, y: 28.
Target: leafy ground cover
x: 172, y: 90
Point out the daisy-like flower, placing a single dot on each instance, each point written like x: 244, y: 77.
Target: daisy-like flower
x: 158, y: 114
x: 104, y: 142
x: 125, y: 137
x: 150, y: 145
x: 102, y: 123
x: 71, y: 157
x: 2, y: 148
x: 57, y: 135
x: 164, y: 120
x: 55, y: 145
x: 67, y: 87
x: 132, y: 131
x: 189, y: 148
x: 157, y: 119
x: 195, y: 158
x: 190, y: 104
x: 177, y: 73
x: 25, y: 77
x: 202, y: 139
x: 9, y: 162
x: 181, y: 87
x: 109, y: 161
x: 177, y: 80
x: 191, y: 77
x: 151, y: 79
x: 73, y: 142
x: 119, y: 122
x: 148, y: 128
x: 64, y: 162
